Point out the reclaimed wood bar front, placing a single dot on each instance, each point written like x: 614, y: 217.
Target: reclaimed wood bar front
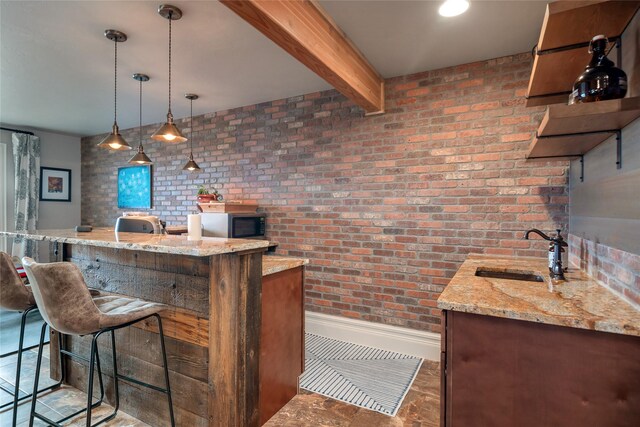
x: 213, y: 327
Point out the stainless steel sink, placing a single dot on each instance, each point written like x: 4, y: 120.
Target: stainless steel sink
x: 509, y: 274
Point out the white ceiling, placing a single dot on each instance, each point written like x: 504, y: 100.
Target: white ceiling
x: 56, y: 66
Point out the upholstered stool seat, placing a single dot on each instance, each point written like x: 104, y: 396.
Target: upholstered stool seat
x: 68, y: 307
x: 15, y: 296
x: 117, y: 310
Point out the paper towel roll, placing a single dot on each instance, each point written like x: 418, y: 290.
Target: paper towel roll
x: 194, y: 227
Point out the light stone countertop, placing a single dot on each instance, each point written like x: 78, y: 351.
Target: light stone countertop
x: 272, y: 264
x: 160, y: 243
x: 579, y: 302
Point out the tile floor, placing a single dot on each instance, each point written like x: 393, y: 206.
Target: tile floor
x: 53, y: 404
x: 420, y: 408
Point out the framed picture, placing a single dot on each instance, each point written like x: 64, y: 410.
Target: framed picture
x: 134, y: 187
x: 55, y: 184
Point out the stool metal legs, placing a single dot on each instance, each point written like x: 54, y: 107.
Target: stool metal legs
x: 16, y: 390
x: 34, y: 414
x: 166, y: 369
x: 94, y: 357
x: 117, y: 376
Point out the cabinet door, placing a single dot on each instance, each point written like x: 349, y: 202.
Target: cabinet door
x: 443, y: 369
x: 281, y: 340
x: 503, y: 372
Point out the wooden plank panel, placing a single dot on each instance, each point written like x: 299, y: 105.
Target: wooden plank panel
x: 304, y: 30
x: 188, y: 393
x: 174, y: 289
x: 178, y: 323
x: 539, y: 101
x: 186, y: 359
x: 571, y: 22
x: 589, y: 116
x: 182, y: 325
x: 182, y: 264
x: 560, y: 121
x: 234, y: 339
x: 54, y: 354
x: 564, y: 147
x: 144, y: 404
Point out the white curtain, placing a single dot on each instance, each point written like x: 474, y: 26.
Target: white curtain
x: 26, y: 159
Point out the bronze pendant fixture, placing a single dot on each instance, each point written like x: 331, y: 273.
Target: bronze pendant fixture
x: 191, y: 165
x: 169, y: 132
x: 114, y: 140
x: 140, y: 158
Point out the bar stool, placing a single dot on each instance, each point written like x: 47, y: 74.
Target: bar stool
x: 15, y: 296
x: 67, y: 306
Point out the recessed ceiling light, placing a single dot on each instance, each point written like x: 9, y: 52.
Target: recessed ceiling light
x: 453, y: 8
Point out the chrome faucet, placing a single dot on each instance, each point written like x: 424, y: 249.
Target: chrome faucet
x: 555, y: 267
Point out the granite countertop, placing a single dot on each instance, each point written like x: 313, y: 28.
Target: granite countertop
x: 161, y: 243
x: 579, y: 302
x: 272, y: 264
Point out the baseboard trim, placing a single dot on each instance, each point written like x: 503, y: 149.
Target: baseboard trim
x: 386, y: 337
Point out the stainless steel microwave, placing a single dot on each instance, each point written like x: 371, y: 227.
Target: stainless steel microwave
x: 234, y: 225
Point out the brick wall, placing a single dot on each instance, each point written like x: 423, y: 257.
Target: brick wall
x: 615, y: 269
x: 386, y: 207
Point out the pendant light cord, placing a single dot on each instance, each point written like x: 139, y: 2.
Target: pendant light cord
x: 115, y: 81
x: 191, y: 126
x: 170, y: 19
x: 140, y: 113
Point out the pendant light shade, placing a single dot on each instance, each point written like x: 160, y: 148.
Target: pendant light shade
x: 191, y: 165
x: 114, y: 140
x: 169, y: 132
x: 140, y: 157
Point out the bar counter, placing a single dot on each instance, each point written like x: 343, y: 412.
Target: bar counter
x: 578, y: 302
x: 219, y: 331
x: 104, y: 237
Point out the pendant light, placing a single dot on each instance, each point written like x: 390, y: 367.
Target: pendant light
x: 169, y: 132
x: 191, y: 165
x: 114, y: 140
x: 140, y: 158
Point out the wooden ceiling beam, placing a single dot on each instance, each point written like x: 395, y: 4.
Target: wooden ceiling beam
x: 302, y: 28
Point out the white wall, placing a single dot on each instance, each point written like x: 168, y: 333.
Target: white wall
x: 57, y: 151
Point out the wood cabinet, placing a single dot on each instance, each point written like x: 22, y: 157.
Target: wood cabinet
x: 281, y: 339
x: 503, y: 372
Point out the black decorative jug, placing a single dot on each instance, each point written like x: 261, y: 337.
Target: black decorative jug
x: 600, y: 80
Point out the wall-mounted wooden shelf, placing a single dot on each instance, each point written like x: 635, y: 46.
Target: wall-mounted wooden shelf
x: 561, y: 53
x: 569, y: 131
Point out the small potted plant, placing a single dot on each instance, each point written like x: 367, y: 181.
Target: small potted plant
x: 204, y: 196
